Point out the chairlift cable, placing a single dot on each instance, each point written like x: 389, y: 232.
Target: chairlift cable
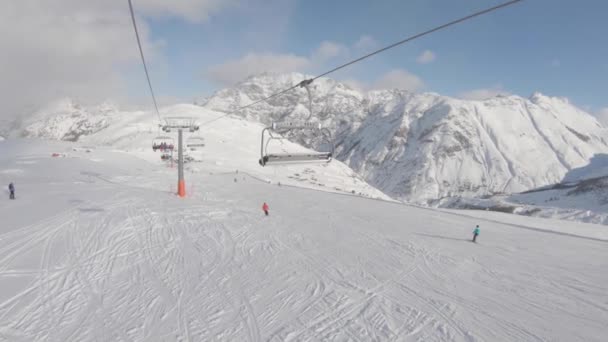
x: 143, y: 59
x: 306, y: 82
x: 416, y: 36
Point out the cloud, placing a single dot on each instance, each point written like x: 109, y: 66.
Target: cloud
x: 190, y: 10
x: 233, y: 71
x: 355, y: 84
x: 399, y: 79
x: 236, y: 70
x: 426, y: 57
x: 60, y: 48
x: 602, y: 116
x: 366, y: 43
x: 556, y: 63
x: 484, y: 93
x: 78, y: 49
x: 264, y: 24
x: 253, y: 63
x: 328, y: 50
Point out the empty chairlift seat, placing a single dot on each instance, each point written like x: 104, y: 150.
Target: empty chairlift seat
x: 195, y: 143
x: 271, y: 133
x: 275, y: 131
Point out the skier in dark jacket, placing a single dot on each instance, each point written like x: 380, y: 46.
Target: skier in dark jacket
x: 11, y: 189
x: 475, y: 233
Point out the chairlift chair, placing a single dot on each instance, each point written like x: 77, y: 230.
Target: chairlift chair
x: 194, y: 143
x: 163, y: 143
x: 267, y: 157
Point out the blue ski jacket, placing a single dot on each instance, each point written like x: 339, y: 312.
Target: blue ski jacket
x: 476, y: 231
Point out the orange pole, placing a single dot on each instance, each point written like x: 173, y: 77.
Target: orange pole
x: 181, y: 188
x: 181, y: 183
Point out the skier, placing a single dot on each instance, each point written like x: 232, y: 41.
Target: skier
x: 475, y: 233
x: 11, y: 189
x: 265, y: 208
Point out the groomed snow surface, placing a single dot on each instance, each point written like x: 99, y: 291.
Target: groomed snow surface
x: 97, y: 247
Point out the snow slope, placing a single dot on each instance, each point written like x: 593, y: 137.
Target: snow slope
x: 231, y: 144
x: 580, y: 196
x: 97, y: 247
x: 422, y: 147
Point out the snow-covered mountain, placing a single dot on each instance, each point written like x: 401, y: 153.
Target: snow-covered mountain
x: 581, y: 196
x: 67, y: 120
x: 414, y: 147
x: 231, y: 144
x: 422, y: 147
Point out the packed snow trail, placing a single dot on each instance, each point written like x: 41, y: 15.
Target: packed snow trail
x: 92, y: 250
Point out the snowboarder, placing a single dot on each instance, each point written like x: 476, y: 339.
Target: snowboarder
x: 11, y: 189
x: 265, y: 208
x: 475, y: 233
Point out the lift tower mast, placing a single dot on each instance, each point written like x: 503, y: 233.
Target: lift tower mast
x: 180, y: 124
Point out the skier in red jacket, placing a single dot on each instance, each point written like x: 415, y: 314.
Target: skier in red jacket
x: 265, y: 208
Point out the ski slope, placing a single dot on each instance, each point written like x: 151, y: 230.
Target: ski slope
x: 231, y: 143
x: 97, y: 247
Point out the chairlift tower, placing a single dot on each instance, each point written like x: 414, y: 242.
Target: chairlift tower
x: 180, y: 124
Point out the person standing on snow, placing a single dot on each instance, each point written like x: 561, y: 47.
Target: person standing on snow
x: 11, y: 189
x: 265, y: 208
x: 475, y: 233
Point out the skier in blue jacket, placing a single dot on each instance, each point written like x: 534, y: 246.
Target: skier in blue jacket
x: 475, y: 233
x: 11, y: 189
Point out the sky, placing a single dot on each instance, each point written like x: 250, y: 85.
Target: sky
x: 87, y: 49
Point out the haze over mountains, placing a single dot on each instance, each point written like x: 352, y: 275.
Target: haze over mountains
x: 415, y: 147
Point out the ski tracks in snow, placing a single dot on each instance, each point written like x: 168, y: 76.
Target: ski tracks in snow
x: 343, y: 307
x: 168, y: 269
x: 129, y: 272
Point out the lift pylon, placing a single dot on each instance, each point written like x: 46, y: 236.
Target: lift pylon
x: 180, y: 124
